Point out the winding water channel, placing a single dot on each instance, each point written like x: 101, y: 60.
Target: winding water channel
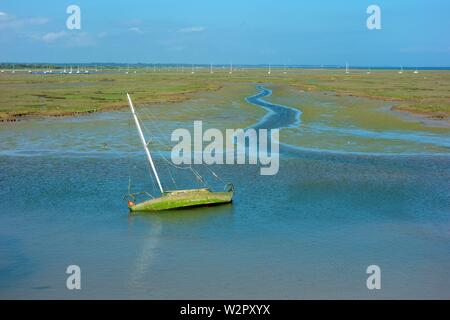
x: 279, y: 117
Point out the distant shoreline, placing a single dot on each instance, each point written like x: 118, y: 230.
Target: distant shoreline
x: 26, y: 66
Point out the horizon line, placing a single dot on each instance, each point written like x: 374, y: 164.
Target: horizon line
x: 257, y: 65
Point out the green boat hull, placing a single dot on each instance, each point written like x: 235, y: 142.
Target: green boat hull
x: 183, y: 199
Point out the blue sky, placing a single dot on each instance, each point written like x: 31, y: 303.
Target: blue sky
x: 414, y: 33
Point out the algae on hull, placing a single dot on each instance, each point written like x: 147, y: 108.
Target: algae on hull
x: 183, y: 199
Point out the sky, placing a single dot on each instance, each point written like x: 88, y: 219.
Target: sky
x: 413, y: 33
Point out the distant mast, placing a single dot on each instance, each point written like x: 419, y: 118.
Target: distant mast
x: 211, y: 69
x: 144, y: 143
x: 346, y: 68
x: 270, y: 69
x: 231, y: 68
x: 401, y: 70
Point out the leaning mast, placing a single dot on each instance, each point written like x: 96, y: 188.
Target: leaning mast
x: 144, y: 143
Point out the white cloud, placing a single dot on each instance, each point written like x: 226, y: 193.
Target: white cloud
x: 37, y: 21
x: 191, y: 29
x: 68, y: 39
x: 53, y: 36
x: 136, y: 30
x: 83, y: 39
x: 11, y: 22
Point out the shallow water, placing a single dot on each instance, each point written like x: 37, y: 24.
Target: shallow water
x: 308, y: 232
x: 278, y: 116
x: 360, y: 125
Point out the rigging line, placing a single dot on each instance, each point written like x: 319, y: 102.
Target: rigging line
x: 199, y: 178
x: 148, y: 114
x: 159, y: 152
x: 155, y: 125
x: 161, y: 133
x: 169, y: 162
x: 147, y: 130
x: 215, y: 174
x: 161, y: 155
x: 171, y: 176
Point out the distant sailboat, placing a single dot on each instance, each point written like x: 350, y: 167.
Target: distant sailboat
x: 270, y: 70
x: 368, y: 71
x: 177, y: 198
x: 211, y: 69
x: 346, y: 68
x: 401, y: 70
x: 192, y: 69
x: 416, y: 71
x: 231, y: 68
x: 284, y: 69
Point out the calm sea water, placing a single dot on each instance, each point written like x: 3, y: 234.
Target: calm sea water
x: 308, y: 232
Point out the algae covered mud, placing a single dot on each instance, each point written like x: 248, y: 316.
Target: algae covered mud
x: 310, y: 231
x: 348, y: 135
x: 425, y: 94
